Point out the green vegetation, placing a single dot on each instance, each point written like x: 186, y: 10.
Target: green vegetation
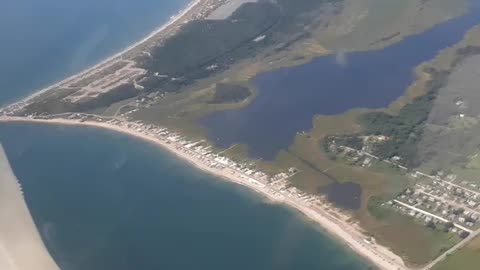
x: 379, y: 23
x: 354, y: 142
x: 205, y: 47
x: 377, y: 209
x: 415, y: 242
x: 467, y: 258
x: 405, y: 129
x: 230, y: 93
x: 56, y: 104
x: 464, y: 52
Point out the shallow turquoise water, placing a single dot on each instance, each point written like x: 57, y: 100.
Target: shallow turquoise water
x: 109, y: 202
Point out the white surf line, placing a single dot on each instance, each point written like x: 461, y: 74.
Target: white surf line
x: 173, y: 19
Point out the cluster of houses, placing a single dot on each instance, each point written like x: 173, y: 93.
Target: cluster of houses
x: 277, y: 186
x: 441, y: 202
x: 362, y: 157
x: 436, y: 200
x: 201, y: 151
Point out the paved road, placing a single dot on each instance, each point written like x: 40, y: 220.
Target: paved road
x: 451, y: 202
x: 452, y: 250
x: 432, y: 215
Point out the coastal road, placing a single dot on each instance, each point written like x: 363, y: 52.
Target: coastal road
x: 450, y: 202
x: 452, y: 250
x: 432, y: 215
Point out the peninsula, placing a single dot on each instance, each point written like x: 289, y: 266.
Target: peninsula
x: 204, y: 61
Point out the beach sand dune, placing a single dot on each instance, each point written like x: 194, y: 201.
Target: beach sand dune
x: 21, y: 247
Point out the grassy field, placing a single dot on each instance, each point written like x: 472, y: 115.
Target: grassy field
x: 372, y: 24
x: 450, y: 141
x: 416, y: 243
x: 468, y: 258
x: 412, y: 240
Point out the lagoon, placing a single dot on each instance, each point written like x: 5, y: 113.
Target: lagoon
x: 107, y: 201
x: 288, y: 98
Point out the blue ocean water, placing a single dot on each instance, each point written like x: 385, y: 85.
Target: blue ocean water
x: 288, y: 98
x: 105, y: 201
x: 46, y: 41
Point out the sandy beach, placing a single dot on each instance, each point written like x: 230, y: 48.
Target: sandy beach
x: 174, y: 19
x: 21, y: 247
x: 347, y: 233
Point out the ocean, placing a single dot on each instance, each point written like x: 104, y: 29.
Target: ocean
x: 105, y: 201
x: 46, y: 41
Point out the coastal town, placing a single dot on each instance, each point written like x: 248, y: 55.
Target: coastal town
x: 121, y: 72
x: 439, y: 201
x: 435, y: 198
x: 276, y: 188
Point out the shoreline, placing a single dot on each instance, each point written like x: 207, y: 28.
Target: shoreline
x: 318, y: 217
x: 349, y: 234
x: 172, y: 20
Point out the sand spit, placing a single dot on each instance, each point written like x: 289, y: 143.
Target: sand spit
x: 173, y: 20
x: 21, y: 247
